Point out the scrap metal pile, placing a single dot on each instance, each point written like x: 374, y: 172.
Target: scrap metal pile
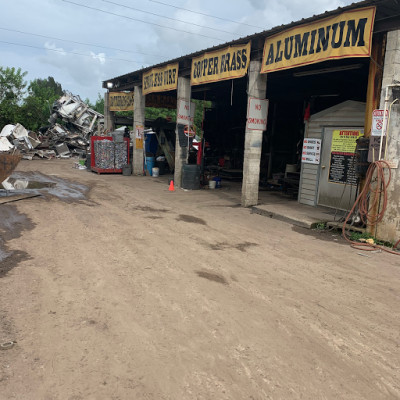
x: 56, y: 140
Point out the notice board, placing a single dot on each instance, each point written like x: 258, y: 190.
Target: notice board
x: 341, y: 166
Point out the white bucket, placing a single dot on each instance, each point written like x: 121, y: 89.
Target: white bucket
x: 212, y: 184
x: 155, y: 171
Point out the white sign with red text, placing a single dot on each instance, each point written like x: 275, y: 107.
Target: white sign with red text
x: 185, y: 112
x: 311, y: 153
x: 257, y: 114
x: 378, y: 122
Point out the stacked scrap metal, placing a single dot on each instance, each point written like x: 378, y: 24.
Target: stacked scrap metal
x: 121, y: 155
x: 73, y: 110
x: 56, y: 140
x: 104, y: 154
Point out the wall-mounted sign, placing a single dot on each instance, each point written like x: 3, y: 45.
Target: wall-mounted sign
x: 160, y: 79
x: 311, y: 153
x: 378, y: 122
x: 120, y: 101
x: 342, y: 164
x: 186, y: 110
x: 229, y: 63
x: 161, y: 101
x: 345, y: 35
x: 139, y: 133
x: 257, y: 114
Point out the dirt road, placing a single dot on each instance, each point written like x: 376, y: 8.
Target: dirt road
x: 120, y: 289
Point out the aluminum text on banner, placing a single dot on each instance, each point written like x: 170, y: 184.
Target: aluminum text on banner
x: 345, y: 35
x: 228, y: 63
x: 160, y: 79
x: 120, y: 101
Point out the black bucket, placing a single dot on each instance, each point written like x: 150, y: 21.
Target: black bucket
x: 127, y: 170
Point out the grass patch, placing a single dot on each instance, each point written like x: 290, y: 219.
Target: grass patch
x: 320, y: 226
x: 356, y: 236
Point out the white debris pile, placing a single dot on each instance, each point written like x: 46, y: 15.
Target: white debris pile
x: 56, y: 140
x: 74, y: 111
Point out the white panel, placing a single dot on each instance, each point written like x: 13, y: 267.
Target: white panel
x: 307, y: 202
x: 308, y: 186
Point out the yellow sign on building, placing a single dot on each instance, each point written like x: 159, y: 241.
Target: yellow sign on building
x: 345, y: 141
x: 120, y: 101
x: 229, y: 63
x: 161, y: 79
x: 345, y: 35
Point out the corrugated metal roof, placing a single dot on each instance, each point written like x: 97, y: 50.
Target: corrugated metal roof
x: 262, y: 35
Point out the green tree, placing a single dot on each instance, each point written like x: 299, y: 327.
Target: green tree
x: 36, y: 108
x: 98, y: 105
x: 12, y: 86
x: 154, y: 113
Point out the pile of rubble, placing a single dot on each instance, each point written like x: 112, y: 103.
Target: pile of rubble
x: 55, y: 140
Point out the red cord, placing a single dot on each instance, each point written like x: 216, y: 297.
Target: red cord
x: 375, y: 189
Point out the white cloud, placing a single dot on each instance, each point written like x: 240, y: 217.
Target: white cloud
x: 100, y: 57
x: 53, y: 47
x: 83, y: 74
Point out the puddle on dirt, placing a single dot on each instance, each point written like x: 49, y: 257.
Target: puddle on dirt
x: 150, y: 209
x: 20, y: 184
x: 37, y: 183
x: 3, y: 254
x: 322, y: 234
x: 224, y: 246
x: 212, y: 277
x: 191, y: 219
x: 236, y: 205
x: 12, y: 223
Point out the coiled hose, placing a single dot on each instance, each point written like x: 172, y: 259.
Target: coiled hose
x: 375, y: 189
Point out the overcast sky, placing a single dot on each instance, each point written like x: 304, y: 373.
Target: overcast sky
x: 83, y: 42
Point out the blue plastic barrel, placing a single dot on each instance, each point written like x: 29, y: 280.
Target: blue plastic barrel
x: 150, y: 163
x: 150, y: 143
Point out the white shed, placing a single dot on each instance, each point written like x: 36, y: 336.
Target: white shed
x: 347, y: 115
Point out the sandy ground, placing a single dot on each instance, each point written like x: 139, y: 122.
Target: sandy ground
x: 120, y: 289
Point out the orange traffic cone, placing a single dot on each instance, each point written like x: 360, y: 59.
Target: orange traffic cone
x: 171, y: 186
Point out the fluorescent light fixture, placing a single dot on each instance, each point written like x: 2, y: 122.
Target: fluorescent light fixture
x: 110, y: 85
x: 327, y: 70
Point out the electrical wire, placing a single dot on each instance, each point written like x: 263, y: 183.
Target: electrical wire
x: 376, y: 187
x: 204, y: 14
x: 68, y: 52
x: 82, y: 43
x: 164, y: 16
x: 140, y: 20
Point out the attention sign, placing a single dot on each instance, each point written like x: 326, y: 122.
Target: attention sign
x: 342, y: 164
x: 257, y: 114
x: 345, y: 35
